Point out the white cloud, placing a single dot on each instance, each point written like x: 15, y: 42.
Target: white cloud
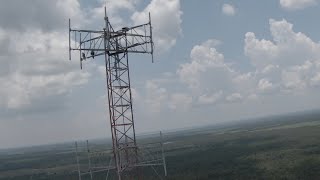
x: 135, y: 94
x: 261, y: 52
x: 180, y: 101
x: 290, y: 60
x: 283, y: 67
x: 38, y: 69
x: 166, y: 21
x: 45, y: 15
x: 297, y: 4
x: 207, y: 99
x: 206, y: 66
x: 35, y: 72
x: 265, y: 85
x: 102, y: 70
x: 245, y: 83
x: 301, y: 76
x: 228, y: 10
x: 235, y: 97
x: 292, y: 80
x: 115, y: 9
x: 113, y: 6
x: 315, y: 80
x: 208, y: 77
x: 289, y: 63
x: 156, y: 97
x: 252, y: 97
x: 269, y: 69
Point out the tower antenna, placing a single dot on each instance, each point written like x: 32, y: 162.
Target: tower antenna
x: 114, y: 46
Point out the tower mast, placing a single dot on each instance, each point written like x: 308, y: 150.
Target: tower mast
x: 115, y: 46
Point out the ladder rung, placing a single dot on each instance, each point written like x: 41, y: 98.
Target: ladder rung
x: 117, y: 52
x: 121, y: 105
x: 120, y: 87
x: 125, y: 124
x: 119, y: 68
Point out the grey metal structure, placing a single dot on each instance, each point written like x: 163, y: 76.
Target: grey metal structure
x: 97, y: 160
x: 115, y: 46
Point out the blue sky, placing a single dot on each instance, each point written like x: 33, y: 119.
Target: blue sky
x: 215, y: 62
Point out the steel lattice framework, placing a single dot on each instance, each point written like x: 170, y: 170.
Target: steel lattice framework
x: 115, y: 46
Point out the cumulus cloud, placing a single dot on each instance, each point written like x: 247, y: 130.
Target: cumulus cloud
x: 166, y: 21
x: 35, y: 41
x: 234, y: 97
x: 206, y: 67
x: 288, y: 63
x: 207, y: 76
x: 156, y: 97
x: 180, y: 101
x: 207, y: 99
x: 47, y: 15
x: 204, y: 78
x: 35, y: 71
x: 228, y: 9
x: 290, y: 60
x: 315, y: 80
x: 286, y: 49
x: 36, y: 44
x: 115, y: 10
x: 264, y: 85
x: 297, y: 4
x: 245, y: 83
x: 262, y: 51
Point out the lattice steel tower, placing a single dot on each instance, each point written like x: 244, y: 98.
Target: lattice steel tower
x: 115, y: 46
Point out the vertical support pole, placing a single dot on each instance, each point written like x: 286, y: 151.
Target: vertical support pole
x: 79, y: 173
x: 163, y: 156
x: 89, y: 159
x: 131, y: 104
x: 145, y: 36
x: 80, y: 52
x: 91, y: 43
x: 75, y: 38
x: 69, y: 39
x: 107, y: 64
x: 109, y: 168
x: 151, y: 41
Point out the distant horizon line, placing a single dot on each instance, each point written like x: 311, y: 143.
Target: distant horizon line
x: 176, y: 130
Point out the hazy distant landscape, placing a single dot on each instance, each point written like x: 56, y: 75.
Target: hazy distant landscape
x: 281, y: 147
x: 233, y: 86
